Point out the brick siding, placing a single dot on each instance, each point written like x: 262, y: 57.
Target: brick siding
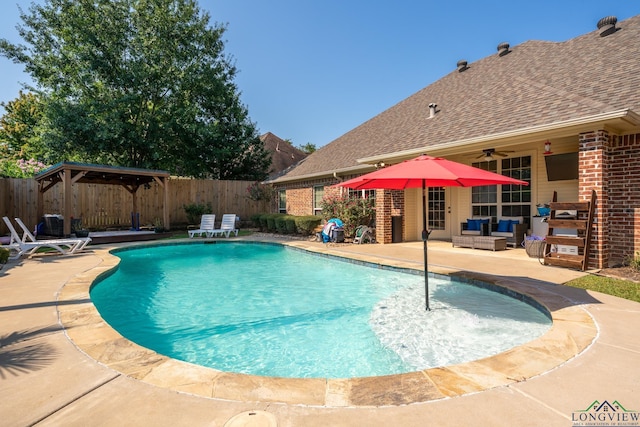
x: 299, y: 196
x: 610, y: 165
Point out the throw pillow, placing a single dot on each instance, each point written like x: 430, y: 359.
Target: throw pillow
x: 504, y: 226
x: 473, y: 224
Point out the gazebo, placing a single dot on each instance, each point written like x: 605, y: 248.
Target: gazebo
x: 70, y: 173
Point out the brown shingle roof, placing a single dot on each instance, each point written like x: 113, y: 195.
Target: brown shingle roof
x: 283, y: 154
x: 536, y: 84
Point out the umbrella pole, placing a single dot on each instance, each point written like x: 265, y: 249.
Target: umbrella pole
x: 425, y: 237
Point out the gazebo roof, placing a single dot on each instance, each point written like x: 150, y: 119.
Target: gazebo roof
x: 100, y: 174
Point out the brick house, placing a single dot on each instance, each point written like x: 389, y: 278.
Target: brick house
x: 564, y: 116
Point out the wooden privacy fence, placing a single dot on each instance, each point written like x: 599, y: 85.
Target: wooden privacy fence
x: 109, y: 206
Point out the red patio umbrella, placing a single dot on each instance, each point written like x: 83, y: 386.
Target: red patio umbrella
x: 427, y: 171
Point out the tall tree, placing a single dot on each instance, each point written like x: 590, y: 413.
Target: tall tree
x: 142, y: 83
x: 20, y: 129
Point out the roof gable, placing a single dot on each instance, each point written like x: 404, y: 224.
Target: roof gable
x: 283, y: 154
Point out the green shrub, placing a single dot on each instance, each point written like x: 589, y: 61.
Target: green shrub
x: 263, y: 222
x: 195, y: 211
x: 4, y: 255
x: 306, y: 224
x: 271, y: 222
x: 255, y: 219
x: 634, y: 261
x: 290, y: 222
x: 281, y: 224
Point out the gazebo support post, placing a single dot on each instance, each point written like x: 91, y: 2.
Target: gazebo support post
x: 68, y: 198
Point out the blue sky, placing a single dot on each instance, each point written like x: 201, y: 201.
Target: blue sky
x: 310, y: 71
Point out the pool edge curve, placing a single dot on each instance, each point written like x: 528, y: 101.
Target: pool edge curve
x: 573, y: 330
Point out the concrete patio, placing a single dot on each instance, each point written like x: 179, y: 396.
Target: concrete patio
x: 60, y: 364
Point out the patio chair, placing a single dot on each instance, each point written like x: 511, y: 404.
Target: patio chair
x: 227, y: 226
x: 29, y: 245
x: 207, y: 225
x: 79, y: 242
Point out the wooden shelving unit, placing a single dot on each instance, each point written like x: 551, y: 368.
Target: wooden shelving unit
x: 582, y: 224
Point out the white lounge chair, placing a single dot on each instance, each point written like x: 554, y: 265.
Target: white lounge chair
x: 227, y: 226
x: 79, y: 242
x: 28, y: 243
x: 207, y: 225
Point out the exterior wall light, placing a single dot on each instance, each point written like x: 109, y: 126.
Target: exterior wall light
x: 547, y: 148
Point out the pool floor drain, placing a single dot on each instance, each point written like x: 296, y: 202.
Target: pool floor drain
x: 253, y: 419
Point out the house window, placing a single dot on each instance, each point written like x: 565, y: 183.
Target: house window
x: 282, y: 201
x: 509, y: 200
x: 484, y: 199
x: 437, y: 209
x: 516, y: 199
x: 318, y: 194
x: 362, y: 194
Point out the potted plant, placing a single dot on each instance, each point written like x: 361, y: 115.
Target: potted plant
x: 82, y: 233
x: 77, y: 229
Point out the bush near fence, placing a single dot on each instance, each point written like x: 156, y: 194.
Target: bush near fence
x: 286, y: 224
x: 109, y: 206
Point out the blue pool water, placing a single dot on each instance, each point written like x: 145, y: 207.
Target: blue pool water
x: 276, y: 311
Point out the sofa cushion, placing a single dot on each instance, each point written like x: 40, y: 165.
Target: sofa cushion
x: 501, y: 234
x: 514, y: 220
x: 473, y: 224
x: 471, y: 232
x: 504, y: 226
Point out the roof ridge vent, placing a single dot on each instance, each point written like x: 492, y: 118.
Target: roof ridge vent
x: 607, y: 25
x: 462, y: 65
x: 503, y: 49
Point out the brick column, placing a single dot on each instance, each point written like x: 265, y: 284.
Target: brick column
x: 593, y: 169
x: 623, y: 191
x: 388, y: 203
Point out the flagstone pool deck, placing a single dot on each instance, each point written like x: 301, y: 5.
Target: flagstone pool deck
x: 60, y: 364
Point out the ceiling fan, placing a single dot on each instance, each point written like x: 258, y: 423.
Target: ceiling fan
x: 488, y: 154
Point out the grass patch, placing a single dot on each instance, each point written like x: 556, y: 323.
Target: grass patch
x: 607, y: 285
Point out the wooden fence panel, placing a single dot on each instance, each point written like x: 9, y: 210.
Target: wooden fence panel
x: 110, y: 206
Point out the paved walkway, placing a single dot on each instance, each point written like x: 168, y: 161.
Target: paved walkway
x: 55, y: 368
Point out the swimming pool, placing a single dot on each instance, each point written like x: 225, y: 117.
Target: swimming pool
x: 276, y: 311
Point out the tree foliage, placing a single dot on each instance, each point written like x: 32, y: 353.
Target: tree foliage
x: 307, y: 148
x: 20, y: 128
x: 140, y: 83
x: 21, y: 148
